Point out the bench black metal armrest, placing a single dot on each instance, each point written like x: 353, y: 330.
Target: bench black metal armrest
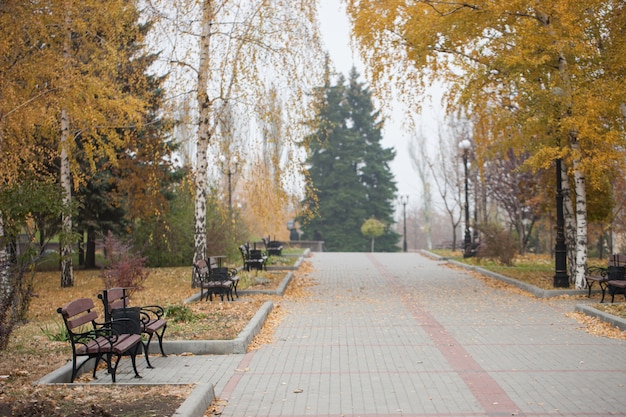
x: 597, y: 274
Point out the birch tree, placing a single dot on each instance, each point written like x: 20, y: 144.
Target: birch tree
x: 546, y: 74
x: 69, y: 62
x: 234, y: 52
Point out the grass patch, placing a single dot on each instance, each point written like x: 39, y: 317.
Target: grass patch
x: 536, y: 270
x: 282, y: 260
x: 260, y: 280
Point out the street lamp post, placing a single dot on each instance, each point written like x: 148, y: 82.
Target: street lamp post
x: 229, y: 172
x: 404, y: 199
x: 561, y: 279
x: 465, y: 145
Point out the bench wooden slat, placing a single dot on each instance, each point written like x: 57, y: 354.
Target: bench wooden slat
x: 77, y: 306
x: 82, y: 320
x: 100, y: 342
x: 150, y: 322
x: 616, y: 264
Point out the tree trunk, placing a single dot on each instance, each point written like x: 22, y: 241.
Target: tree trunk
x: 81, y: 249
x: 65, y: 243
x: 570, y: 222
x: 90, y: 249
x: 521, y: 233
x: 5, y: 283
x: 204, y: 136
x: 581, y: 219
x: 67, y: 273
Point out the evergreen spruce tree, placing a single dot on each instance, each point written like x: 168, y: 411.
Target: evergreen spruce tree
x: 349, y: 170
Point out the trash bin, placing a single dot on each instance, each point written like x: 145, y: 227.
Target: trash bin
x: 616, y: 273
x: 127, y: 321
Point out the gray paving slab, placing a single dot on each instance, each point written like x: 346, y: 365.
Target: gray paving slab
x: 401, y: 334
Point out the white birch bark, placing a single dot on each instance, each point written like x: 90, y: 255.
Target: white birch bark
x: 5, y: 284
x: 570, y: 222
x: 67, y: 273
x: 204, y: 134
x: 581, y: 218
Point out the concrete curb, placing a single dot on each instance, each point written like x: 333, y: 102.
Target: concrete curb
x: 536, y: 291
x: 280, y: 290
x: 197, y: 403
x: 203, y: 395
x: 541, y: 293
x: 615, y: 321
x: 294, y: 267
x: 196, y: 347
x: 219, y: 347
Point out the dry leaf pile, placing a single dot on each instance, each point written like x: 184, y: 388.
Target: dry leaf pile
x: 31, y: 355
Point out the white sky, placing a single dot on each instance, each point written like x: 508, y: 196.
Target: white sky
x: 335, y: 30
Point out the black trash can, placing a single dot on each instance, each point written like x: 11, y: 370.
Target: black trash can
x: 616, y: 273
x: 127, y: 321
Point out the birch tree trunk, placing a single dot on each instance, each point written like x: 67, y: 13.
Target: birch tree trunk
x: 581, y: 218
x: 570, y: 222
x: 67, y: 272
x: 204, y: 136
x: 5, y: 282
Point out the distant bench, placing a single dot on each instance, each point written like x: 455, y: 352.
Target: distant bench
x: 273, y: 247
x: 252, y: 258
x: 611, y: 277
x: 215, y: 279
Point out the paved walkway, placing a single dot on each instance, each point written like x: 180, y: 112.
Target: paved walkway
x: 400, y: 334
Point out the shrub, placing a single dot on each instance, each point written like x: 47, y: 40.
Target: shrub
x: 179, y: 313
x: 498, y: 244
x: 124, y: 267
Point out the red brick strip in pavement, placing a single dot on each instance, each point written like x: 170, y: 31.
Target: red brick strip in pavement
x: 491, y: 396
x: 239, y: 372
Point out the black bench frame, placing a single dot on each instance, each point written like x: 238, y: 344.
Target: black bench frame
x: 99, y: 341
x: 215, y: 281
x: 150, y: 317
x: 273, y: 247
x: 614, y: 271
x: 252, y: 258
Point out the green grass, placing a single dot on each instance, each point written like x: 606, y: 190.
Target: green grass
x: 536, y: 270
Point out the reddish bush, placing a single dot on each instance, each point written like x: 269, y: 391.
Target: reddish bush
x: 124, y: 266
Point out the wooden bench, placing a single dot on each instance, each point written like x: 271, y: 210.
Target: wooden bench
x: 151, y: 319
x: 273, y: 247
x: 213, y: 281
x: 96, y: 340
x: 614, y: 271
x: 252, y: 258
x: 617, y: 286
x: 216, y: 268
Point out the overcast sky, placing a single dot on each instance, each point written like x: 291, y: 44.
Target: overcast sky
x: 335, y: 31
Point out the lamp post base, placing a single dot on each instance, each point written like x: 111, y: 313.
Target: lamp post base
x: 467, y: 244
x: 560, y: 280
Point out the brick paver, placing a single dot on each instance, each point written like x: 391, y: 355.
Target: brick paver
x: 401, y: 334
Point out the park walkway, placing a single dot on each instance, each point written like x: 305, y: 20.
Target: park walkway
x: 403, y: 335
